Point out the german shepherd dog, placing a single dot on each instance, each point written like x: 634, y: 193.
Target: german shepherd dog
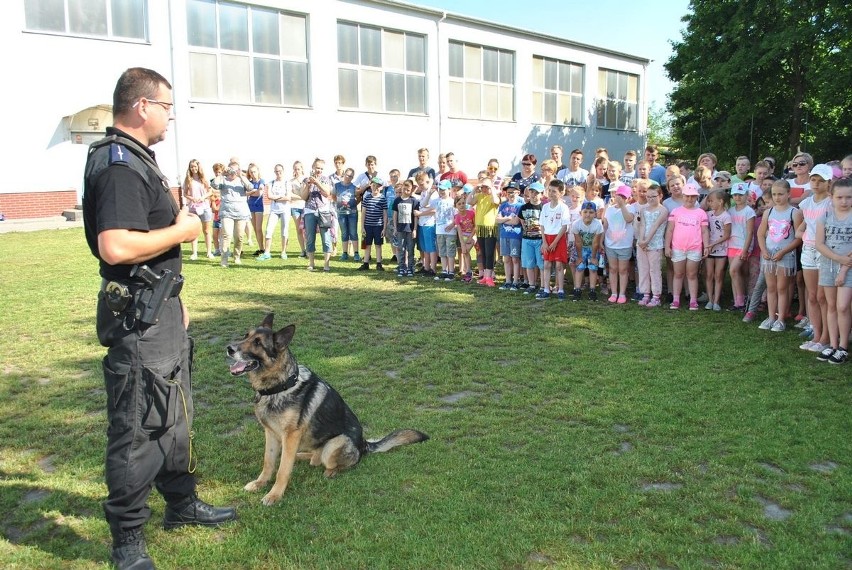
x: 303, y: 417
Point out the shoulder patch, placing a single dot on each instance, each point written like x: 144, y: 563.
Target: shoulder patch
x: 118, y: 153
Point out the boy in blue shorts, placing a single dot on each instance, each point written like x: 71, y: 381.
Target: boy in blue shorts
x: 588, y: 233
x: 426, y: 237
x: 374, y: 217
x: 510, y: 236
x: 529, y: 217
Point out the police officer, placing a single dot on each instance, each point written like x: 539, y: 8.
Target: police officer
x: 134, y: 227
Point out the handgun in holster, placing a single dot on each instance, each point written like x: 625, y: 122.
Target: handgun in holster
x: 151, y: 297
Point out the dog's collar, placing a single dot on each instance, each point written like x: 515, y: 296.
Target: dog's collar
x: 286, y: 385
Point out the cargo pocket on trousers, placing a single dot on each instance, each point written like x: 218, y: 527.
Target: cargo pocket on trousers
x: 118, y: 397
x: 161, y: 395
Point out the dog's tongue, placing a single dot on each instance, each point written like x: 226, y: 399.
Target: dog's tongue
x: 238, y: 367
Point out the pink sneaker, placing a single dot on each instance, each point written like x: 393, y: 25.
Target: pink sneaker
x: 693, y: 305
x: 675, y: 304
x: 654, y: 302
x: 643, y: 302
x: 622, y: 299
x: 489, y: 282
x: 613, y: 298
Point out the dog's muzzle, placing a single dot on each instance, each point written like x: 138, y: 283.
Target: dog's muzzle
x: 237, y: 365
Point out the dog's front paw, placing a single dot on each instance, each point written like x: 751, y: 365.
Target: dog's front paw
x: 271, y: 498
x: 255, y: 485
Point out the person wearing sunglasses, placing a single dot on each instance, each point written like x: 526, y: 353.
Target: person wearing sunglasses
x: 800, y: 184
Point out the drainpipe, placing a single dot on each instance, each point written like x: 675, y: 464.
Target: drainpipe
x: 440, y: 84
x: 174, y: 125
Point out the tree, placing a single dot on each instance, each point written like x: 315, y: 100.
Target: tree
x: 761, y: 77
x: 659, y: 126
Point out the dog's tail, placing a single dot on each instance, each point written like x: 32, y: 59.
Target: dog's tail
x: 395, y: 439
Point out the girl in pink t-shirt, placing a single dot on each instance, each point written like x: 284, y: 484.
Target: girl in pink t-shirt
x: 687, y: 240
x: 464, y: 223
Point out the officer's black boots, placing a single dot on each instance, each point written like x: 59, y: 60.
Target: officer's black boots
x: 129, y: 551
x: 193, y: 510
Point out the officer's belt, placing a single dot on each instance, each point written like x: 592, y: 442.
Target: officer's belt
x: 134, y: 286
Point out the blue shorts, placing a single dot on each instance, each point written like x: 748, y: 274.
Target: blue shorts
x: 296, y: 213
x: 373, y: 235
x: 531, y: 256
x: 510, y: 247
x: 255, y: 204
x: 426, y: 239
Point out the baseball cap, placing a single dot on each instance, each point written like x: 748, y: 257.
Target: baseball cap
x: 739, y: 189
x: 536, y: 186
x: 624, y: 191
x: 467, y: 188
x: 445, y: 185
x: 512, y: 184
x: 824, y: 171
x: 589, y: 206
x: 690, y: 190
x: 376, y: 180
x: 723, y: 174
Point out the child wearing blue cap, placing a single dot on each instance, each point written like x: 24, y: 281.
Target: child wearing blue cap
x: 529, y: 217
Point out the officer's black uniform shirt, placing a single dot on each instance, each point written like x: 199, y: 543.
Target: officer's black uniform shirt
x: 127, y: 195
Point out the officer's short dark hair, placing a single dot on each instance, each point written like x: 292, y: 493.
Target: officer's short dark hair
x: 135, y: 83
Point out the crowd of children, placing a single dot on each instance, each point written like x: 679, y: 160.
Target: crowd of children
x: 657, y: 227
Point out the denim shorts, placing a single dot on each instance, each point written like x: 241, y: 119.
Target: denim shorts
x: 510, y: 247
x: 531, y: 256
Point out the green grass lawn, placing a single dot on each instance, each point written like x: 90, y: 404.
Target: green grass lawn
x: 564, y: 435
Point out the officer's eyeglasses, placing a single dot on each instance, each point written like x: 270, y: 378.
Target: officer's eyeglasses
x: 163, y: 104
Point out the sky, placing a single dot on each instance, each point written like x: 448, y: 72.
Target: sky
x: 620, y: 27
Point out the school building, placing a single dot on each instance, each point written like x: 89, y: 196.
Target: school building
x: 274, y: 81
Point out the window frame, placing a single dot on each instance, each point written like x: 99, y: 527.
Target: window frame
x: 468, y: 85
x: 255, y: 60
x: 607, y: 99
x: 381, y: 73
x: 110, y: 25
x: 543, y: 91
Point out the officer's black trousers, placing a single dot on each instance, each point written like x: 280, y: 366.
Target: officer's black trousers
x: 147, y: 372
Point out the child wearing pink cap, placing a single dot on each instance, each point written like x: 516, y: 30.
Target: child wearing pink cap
x: 618, y: 241
x: 687, y: 243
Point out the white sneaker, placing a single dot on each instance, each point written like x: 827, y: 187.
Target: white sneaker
x: 808, y: 345
x: 803, y: 323
x: 767, y: 324
x: 283, y: 255
x: 817, y: 347
x: 193, y: 257
x: 237, y: 260
x: 778, y: 326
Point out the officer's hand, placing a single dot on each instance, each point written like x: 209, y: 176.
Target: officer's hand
x: 188, y: 224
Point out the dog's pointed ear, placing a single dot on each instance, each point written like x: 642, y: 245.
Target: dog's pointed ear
x: 267, y: 320
x: 284, y: 337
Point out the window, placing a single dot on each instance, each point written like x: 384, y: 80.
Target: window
x: 95, y: 18
x: 482, y: 82
x: 557, y: 92
x: 247, y: 54
x: 380, y: 70
x: 618, y: 100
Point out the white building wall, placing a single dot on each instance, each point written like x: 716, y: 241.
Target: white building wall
x: 59, y: 75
